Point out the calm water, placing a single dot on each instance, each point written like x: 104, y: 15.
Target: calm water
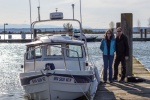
x: 28, y: 36
x: 11, y: 58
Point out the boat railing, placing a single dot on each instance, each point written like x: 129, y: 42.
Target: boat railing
x: 64, y: 57
x: 82, y: 36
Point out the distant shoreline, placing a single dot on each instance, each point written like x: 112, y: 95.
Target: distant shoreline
x: 89, y: 30
x: 58, y: 33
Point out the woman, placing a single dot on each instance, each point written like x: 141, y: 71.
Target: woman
x: 108, y: 48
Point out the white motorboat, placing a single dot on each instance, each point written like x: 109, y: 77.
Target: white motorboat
x: 57, y: 67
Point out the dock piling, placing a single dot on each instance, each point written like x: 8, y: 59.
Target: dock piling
x: 145, y: 32
x: 127, y: 25
x: 141, y: 32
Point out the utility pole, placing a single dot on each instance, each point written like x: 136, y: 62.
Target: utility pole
x: 4, y: 29
x: 56, y: 9
x: 30, y: 19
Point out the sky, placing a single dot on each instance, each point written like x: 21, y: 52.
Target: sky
x: 95, y: 13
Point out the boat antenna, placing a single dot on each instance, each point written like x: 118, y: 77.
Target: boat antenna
x: 39, y: 11
x: 80, y: 13
x: 30, y: 19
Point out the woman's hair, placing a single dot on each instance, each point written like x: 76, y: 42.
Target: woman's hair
x: 105, y: 35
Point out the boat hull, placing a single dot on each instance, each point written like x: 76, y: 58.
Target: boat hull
x: 56, y: 87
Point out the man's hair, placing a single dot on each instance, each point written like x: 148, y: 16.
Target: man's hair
x: 119, y: 28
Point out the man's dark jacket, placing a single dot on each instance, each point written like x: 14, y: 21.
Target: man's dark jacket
x: 122, y: 46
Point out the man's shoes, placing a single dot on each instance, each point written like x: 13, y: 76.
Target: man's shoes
x: 121, y: 81
x: 115, y: 80
x: 104, y: 82
x: 111, y: 81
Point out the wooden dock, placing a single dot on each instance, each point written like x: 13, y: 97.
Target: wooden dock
x: 128, y: 90
x: 133, y: 39
x: 15, y: 41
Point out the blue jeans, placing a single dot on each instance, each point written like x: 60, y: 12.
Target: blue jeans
x: 108, y: 60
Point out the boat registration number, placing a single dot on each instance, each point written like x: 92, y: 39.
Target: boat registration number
x: 63, y: 79
x: 38, y: 80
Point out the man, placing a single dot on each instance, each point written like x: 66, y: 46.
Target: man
x: 122, y: 54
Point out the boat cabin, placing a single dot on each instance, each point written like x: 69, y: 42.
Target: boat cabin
x: 55, y: 52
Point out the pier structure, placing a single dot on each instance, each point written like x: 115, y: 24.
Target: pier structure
x: 129, y: 90
x: 29, y: 40
x: 137, y: 82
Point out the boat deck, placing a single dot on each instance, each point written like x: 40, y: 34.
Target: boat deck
x: 129, y: 90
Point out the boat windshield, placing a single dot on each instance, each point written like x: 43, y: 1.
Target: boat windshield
x: 71, y: 51
x: 54, y: 50
x: 34, y: 52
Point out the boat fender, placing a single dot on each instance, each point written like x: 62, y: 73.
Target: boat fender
x: 97, y: 74
x: 49, y: 66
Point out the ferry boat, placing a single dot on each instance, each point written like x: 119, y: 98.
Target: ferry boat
x: 58, y: 67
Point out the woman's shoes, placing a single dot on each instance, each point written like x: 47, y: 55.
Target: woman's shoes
x: 121, y: 81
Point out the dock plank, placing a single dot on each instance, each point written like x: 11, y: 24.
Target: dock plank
x: 128, y: 90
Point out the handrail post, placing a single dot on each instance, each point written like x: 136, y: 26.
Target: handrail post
x: 34, y: 59
x: 78, y: 60
x: 24, y: 61
x: 65, y: 61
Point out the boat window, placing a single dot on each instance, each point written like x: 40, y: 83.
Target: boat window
x: 76, y: 48
x: 37, y: 51
x: 54, y: 50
